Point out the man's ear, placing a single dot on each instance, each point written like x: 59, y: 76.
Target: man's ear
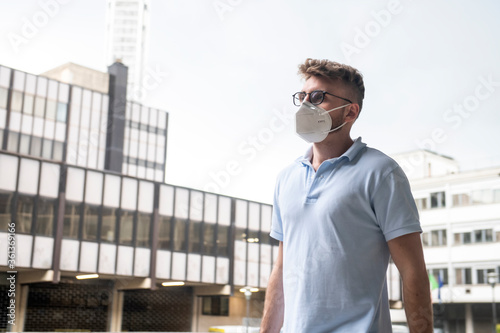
x: 352, y: 113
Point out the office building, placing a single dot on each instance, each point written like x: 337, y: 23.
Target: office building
x: 127, y: 25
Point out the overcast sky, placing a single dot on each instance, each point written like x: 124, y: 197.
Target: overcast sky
x: 227, y: 70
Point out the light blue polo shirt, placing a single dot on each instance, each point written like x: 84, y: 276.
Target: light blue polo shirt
x: 335, y: 224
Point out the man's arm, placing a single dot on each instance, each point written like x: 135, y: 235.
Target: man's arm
x: 407, y: 253
x: 274, y: 306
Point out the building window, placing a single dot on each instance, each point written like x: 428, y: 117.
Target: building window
x: 438, y: 200
x: 5, y: 210
x: 71, y: 220
x: 222, y: 240
x: 421, y: 203
x: 24, y: 214
x: 462, y: 199
x: 194, y: 237
x: 126, y: 228
x: 440, y: 274
x: 3, y: 98
x: 434, y: 238
x: 164, y: 232
x: 209, y: 239
x: 215, y: 306
x: 39, y: 107
x: 45, y: 217
x: 463, y: 276
x: 179, y: 238
x: 108, y: 226
x: 90, y: 222
x: 143, y: 230
x: 476, y: 236
x: 482, y: 275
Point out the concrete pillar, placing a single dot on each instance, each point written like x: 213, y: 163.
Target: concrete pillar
x: 21, y: 304
x: 115, y: 311
x: 469, y: 320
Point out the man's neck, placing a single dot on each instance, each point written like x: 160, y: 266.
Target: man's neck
x: 330, y: 148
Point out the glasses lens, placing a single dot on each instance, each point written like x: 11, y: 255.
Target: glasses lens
x: 298, y: 98
x: 317, y: 97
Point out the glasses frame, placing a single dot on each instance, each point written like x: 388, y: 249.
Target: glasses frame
x: 322, y: 96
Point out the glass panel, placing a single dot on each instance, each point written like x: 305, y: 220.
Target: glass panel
x: 24, y: 214
x: 50, y: 112
x: 209, y: 239
x: 480, y: 276
x: 434, y: 238
x: 444, y: 240
x: 126, y: 228
x: 467, y: 237
x: 71, y: 220
x: 17, y: 101
x: 58, y: 151
x: 39, y: 107
x: 143, y: 230
x: 196, y: 206
x: 194, y: 237
x: 179, y: 235
x: 61, y: 112
x: 458, y: 276
x: 36, y: 146
x: 90, y: 222
x: 478, y: 236
x: 468, y: 276
x: 108, y: 226
x: 28, y: 104
x: 3, y: 98
x: 488, y: 235
x: 5, y: 210
x: 222, y: 240
x: 164, y: 232
x: 24, y: 146
x: 241, y: 213
x: 181, y: 202
x: 13, y: 141
x: 45, y: 217
x: 47, y: 149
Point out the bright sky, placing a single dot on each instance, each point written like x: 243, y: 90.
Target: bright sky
x: 228, y: 69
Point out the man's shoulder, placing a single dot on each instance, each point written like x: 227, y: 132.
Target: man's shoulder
x: 374, y: 158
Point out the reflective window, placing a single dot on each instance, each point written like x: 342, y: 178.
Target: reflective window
x: 61, y: 112
x: 463, y: 276
x: 438, y: 200
x: 126, y: 228
x: 47, y: 149
x: 50, y: 112
x: 28, y: 104
x: 108, y: 226
x: 90, y: 222
x: 164, y: 232
x: 179, y: 235
x: 36, y: 146
x: 24, y: 214
x: 209, y: 239
x: 222, y: 240
x: 3, y: 98
x: 13, y: 141
x: 17, y: 101
x: 39, y: 107
x: 71, y: 220
x: 58, y: 151
x: 194, y: 237
x: 45, y: 217
x: 5, y: 210
x: 143, y: 229
x: 24, y: 145
x: 482, y: 275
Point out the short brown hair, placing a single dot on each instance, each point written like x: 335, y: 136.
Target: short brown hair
x: 335, y: 71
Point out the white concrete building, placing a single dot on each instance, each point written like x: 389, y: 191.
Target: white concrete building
x: 127, y: 25
x: 460, y: 216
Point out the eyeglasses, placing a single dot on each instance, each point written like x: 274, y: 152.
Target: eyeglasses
x: 315, y: 97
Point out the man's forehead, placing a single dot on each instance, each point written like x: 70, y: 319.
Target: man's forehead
x: 323, y: 83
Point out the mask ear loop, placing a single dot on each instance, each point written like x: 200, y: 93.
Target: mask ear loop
x: 338, y: 127
x: 340, y: 107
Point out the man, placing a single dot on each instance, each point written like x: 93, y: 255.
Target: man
x: 339, y: 212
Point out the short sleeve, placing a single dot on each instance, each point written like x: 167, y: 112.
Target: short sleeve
x: 277, y: 224
x: 394, y: 206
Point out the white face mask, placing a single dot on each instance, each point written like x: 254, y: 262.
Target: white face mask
x: 313, y: 123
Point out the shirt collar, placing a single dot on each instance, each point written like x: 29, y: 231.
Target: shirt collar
x: 350, y: 154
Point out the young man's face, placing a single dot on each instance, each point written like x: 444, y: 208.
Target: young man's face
x: 329, y: 102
